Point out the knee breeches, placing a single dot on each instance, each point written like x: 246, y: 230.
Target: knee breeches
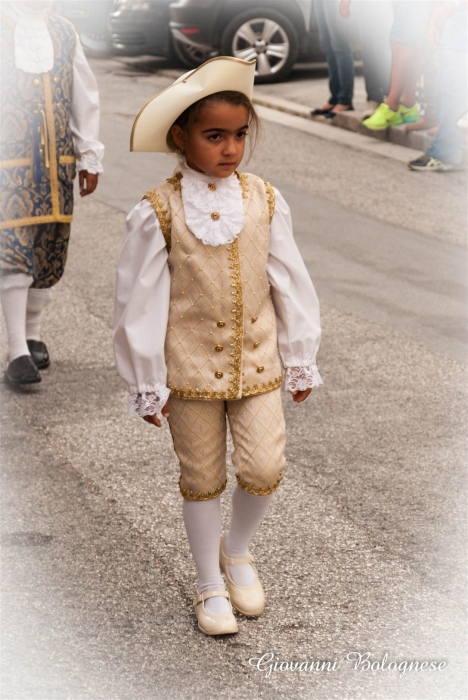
x: 199, y: 433
x: 37, y: 250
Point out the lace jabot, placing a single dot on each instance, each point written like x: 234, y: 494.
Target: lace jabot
x: 34, y: 51
x: 213, y: 207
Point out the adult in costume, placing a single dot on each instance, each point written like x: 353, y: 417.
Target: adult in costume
x: 49, y: 129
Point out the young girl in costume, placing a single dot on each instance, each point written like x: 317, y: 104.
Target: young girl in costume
x: 213, y: 300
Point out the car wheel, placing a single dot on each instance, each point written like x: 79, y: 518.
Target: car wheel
x: 191, y: 56
x: 265, y: 35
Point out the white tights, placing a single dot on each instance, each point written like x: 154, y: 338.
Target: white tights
x: 203, y: 524
x: 22, y: 309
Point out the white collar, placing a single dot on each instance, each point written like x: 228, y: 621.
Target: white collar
x: 213, y: 207
x: 34, y: 51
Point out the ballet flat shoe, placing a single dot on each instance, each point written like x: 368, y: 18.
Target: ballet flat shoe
x: 22, y: 370
x: 221, y: 623
x: 248, y: 600
x: 39, y: 353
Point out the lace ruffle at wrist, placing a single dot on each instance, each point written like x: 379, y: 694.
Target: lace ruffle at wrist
x: 148, y: 403
x: 89, y: 161
x: 301, y: 378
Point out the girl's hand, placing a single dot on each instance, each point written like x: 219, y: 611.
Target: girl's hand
x: 299, y: 396
x: 154, y: 418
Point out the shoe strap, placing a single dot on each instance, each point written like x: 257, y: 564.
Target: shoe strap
x: 201, y: 597
x: 232, y: 561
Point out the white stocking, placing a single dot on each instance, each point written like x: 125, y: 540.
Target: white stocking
x: 247, y: 513
x: 14, y: 296
x: 37, y: 301
x: 203, y: 524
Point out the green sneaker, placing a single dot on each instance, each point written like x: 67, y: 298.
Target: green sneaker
x: 409, y: 114
x: 383, y: 117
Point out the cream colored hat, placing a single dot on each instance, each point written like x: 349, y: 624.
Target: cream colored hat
x: 158, y: 115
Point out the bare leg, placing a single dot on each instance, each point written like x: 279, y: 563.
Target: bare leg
x: 403, y: 71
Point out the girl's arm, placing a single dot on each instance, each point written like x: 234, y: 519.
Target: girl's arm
x: 296, y: 304
x: 141, y: 312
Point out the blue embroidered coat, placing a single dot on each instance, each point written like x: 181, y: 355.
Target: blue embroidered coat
x: 36, y: 145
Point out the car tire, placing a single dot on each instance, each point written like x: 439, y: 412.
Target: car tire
x: 188, y: 56
x: 261, y: 33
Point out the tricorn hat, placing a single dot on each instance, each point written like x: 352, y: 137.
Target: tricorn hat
x: 158, y: 115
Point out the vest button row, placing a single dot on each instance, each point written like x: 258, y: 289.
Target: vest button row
x: 254, y: 319
x: 219, y: 348
x: 220, y: 324
x: 215, y: 216
x: 260, y: 369
x: 256, y: 345
x: 218, y: 375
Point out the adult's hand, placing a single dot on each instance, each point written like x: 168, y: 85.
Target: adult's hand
x: 300, y: 396
x: 88, y: 182
x: 154, y: 420
x: 344, y: 8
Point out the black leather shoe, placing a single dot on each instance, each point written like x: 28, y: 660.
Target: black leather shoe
x: 22, y: 371
x: 39, y: 353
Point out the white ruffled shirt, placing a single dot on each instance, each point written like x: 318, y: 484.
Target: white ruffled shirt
x: 143, y: 290
x: 34, y: 53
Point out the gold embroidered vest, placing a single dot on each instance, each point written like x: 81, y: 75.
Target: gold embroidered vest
x: 221, y: 340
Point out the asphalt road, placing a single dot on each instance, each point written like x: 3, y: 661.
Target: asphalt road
x: 364, y: 548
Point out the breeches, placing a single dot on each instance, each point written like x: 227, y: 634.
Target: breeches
x: 39, y: 251
x: 199, y: 433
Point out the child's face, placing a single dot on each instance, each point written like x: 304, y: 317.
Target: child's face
x: 216, y: 142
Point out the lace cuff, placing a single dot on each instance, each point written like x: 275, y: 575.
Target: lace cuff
x: 90, y: 162
x: 148, y: 403
x: 301, y: 378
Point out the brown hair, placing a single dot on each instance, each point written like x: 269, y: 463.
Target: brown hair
x: 231, y: 97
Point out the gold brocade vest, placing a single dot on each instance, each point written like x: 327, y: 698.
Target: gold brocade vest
x: 221, y: 340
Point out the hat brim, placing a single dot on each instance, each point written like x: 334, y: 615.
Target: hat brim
x: 153, y: 122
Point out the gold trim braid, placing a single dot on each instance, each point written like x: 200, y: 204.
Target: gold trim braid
x: 257, y: 490
x: 192, y: 496
x: 271, y: 199
x: 237, y: 320
x: 36, y: 220
x: 262, y: 388
x: 50, y: 122
x: 162, y: 214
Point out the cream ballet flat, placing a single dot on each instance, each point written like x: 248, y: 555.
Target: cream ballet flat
x: 248, y: 600
x: 221, y: 623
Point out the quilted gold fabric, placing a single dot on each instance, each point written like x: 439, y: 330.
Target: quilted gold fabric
x: 221, y: 341
x: 199, y: 433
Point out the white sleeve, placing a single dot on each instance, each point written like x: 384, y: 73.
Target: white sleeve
x: 141, y: 311
x: 295, y: 301
x: 84, y: 118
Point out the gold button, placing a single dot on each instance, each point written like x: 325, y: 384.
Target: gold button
x: 256, y: 345
x: 36, y: 81
x: 56, y: 79
x: 260, y: 369
x: 211, y: 186
x: 254, y: 319
x: 218, y: 374
x: 220, y: 324
x: 215, y: 216
x: 219, y: 348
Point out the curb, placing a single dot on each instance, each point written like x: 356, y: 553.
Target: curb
x: 417, y: 140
